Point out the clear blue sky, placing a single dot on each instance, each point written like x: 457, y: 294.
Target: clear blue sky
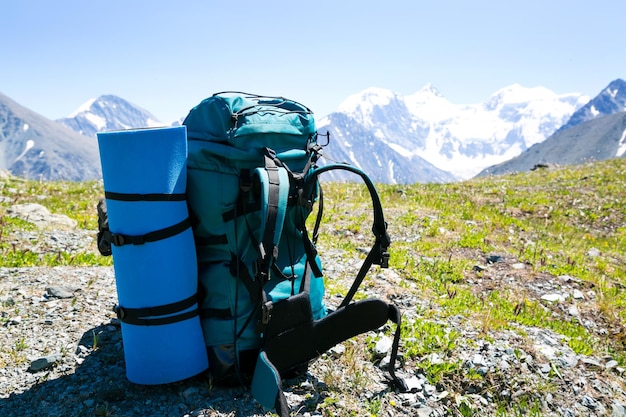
x: 166, y: 56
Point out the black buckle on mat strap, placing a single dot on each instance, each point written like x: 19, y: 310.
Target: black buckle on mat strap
x: 159, y: 315
x: 119, y: 239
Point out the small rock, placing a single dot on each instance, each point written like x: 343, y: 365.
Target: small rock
x: 518, y: 266
x: 39, y: 215
x: 553, y: 298
x: 441, y: 395
x: 568, y: 360
x: 590, y: 362
x: 425, y: 412
x: 573, y: 311
x: 482, y: 371
x: 492, y: 259
x: 567, y: 278
x: 593, y: 253
x: 589, y: 402
x: 383, y: 346
x: 44, y: 363
x: 414, y: 384
x: 429, y: 390
x: 478, y: 360
x: 578, y: 295
x: 59, y: 292
x: 611, y: 364
x: 434, y: 359
x: 337, y: 351
x: 618, y: 409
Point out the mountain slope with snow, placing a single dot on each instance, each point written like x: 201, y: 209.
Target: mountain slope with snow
x: 594, y: 140
x: 610, y: 100
x: 34, y: 147
x: 457, y: 141
x: 106, y: 113
x: 596, y: 131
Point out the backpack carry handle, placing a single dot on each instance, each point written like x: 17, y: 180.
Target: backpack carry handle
x: 260, y: 98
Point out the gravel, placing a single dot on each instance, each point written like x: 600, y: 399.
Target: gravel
x: 61, y: 353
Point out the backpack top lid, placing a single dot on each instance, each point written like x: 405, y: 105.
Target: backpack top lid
x: 245, y: 120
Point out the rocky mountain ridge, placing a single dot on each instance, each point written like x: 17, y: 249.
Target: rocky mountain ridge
x: 420, y: 137
x: 32, y: 146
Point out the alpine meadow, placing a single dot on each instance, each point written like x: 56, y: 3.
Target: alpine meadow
x: 511, y: 289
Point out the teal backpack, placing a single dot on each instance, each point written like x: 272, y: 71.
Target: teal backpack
x: 252, y: 183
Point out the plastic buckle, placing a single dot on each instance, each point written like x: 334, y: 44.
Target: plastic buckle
x: 117, y: 240
x: 384, y: 260
x: 267, y: 312
x: 119, y: 312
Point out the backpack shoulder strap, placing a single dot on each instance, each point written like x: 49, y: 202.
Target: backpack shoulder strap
x: 378, y: 255
x: 274, y: 195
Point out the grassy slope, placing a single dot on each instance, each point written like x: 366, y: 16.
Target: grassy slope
x: 547, y: 223
x: 547, y: 220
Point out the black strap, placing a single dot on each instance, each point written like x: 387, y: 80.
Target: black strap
x: 119, y: 239
x: 210, y: 240
x: 266, y: 247
x: 311, y: 253
x: 318, y: 218
x: 374, y: 254
x: 378, y: 255
x: 292, y: 338
x: 144, y: 197
x: 309, y: 245
x: 149, y: 316
x: 396, y: 317
x: 242, y: 207
x: 216, y: 313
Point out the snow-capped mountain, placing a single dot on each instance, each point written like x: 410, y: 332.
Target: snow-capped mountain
x: 458, y: 139
x: 32, y: 146
x: 361, y: 146
x: 610, y: 100
x: 595, y: 132
x: 108, y: 112
x: 594, y: 140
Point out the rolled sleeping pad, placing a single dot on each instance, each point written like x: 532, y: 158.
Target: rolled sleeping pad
x: 154, y: 256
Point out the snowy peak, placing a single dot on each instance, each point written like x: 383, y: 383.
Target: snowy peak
x: 108, y: 112
x: 429, y: 90
x: 367, y: 100
x: 460, y: 140
x: 610, y: 100
x: 428, y: 103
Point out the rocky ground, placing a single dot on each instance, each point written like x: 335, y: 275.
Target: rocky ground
x: 61, y: 353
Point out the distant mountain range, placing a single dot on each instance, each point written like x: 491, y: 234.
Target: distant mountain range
x: 595, y: 132
x: 34, y: 147
x: 396, y: 139
x: 108, y: 113
x: 425, y: 138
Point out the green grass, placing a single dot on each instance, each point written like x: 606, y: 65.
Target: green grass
x: 547, y: 220
x: 76, y: 200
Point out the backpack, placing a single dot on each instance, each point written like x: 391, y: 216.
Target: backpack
x: 252, y: 182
